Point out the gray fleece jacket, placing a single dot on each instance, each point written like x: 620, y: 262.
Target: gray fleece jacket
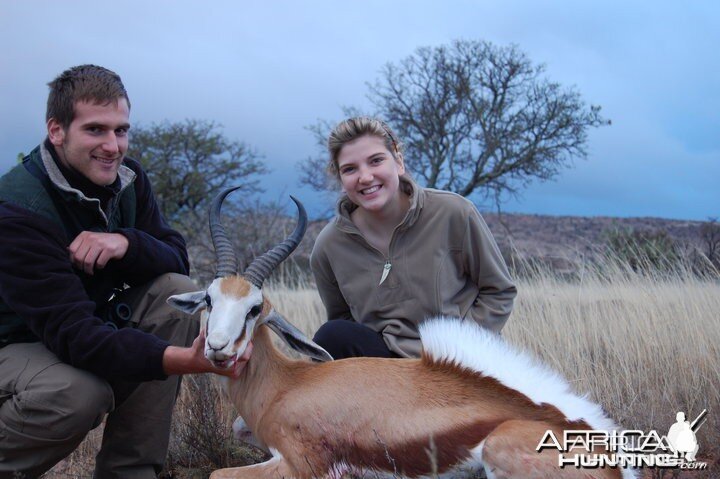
x: 442, y: 260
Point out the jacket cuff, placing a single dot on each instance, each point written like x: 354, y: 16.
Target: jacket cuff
x: 156, y: 360
x: 133, y: 251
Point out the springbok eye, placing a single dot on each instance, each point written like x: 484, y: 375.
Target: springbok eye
x: 208, y: 301
x: 255, y: 311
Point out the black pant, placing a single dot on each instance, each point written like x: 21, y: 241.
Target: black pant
x: 348, y: 339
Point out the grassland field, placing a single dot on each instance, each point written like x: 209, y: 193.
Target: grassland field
x: 644, y: 346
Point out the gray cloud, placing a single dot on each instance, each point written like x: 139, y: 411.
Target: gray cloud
x: 265, y: 71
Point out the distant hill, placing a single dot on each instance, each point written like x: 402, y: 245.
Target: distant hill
x: 563, y: 236
x: 559, y: 236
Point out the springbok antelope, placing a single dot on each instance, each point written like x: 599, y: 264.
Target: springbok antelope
x: 470, y: 402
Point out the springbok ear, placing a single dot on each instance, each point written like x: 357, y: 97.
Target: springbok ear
x: 295, y: 338
x: 188, y: 302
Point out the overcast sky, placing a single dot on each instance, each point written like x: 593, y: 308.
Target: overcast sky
x: 265, y: 70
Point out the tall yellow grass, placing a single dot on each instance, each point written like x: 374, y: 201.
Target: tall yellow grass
x: 643, y: 346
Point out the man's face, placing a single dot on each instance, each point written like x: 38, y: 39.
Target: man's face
x: 95, y: 143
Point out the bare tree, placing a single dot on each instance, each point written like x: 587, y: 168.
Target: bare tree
x: 710, y: 236
x: 475, y: 117
x: 313, y: 170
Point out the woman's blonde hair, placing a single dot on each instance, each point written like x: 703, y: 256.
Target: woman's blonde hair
x: 353, y: 128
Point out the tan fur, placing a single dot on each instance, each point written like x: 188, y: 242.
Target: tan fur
x: 266, y: 307
x: 235, y: 286
x: 510, y: 452
x: 382, y: 413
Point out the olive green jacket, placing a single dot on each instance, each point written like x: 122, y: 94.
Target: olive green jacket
x: 443, y: 261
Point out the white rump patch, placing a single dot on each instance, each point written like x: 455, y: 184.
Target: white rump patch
x: 466, y: 344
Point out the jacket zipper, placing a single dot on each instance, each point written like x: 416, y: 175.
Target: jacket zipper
x: 388, y: 265
x: 385, y: 272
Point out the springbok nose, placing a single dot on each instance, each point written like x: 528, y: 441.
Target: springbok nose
x: 217, y: 341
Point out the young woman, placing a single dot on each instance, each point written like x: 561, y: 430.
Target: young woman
x: 397, y: 253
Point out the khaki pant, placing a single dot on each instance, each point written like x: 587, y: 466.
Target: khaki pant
x: 47, y: 407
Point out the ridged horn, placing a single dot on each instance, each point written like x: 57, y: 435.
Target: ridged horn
x: 227, y: 263
x: 262, y: 266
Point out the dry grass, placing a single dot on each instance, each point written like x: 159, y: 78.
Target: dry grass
x: 644, y: 347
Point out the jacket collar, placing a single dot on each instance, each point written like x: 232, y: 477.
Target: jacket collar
x: 126, y: 175
x: 417, y: 199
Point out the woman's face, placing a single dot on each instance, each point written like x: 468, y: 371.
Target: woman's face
x: 369, y: 173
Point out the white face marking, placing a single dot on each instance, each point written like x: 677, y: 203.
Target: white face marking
x: 227, y: 322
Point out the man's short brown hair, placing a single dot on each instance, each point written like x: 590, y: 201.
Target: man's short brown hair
x: 82, y: 83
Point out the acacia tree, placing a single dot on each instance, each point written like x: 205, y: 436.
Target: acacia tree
x: 710, y: 236
x: 188, y: 163
x: 475, y: 117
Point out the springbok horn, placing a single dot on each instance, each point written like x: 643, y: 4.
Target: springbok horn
x: 227, y: 263
x: 262, y: 266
